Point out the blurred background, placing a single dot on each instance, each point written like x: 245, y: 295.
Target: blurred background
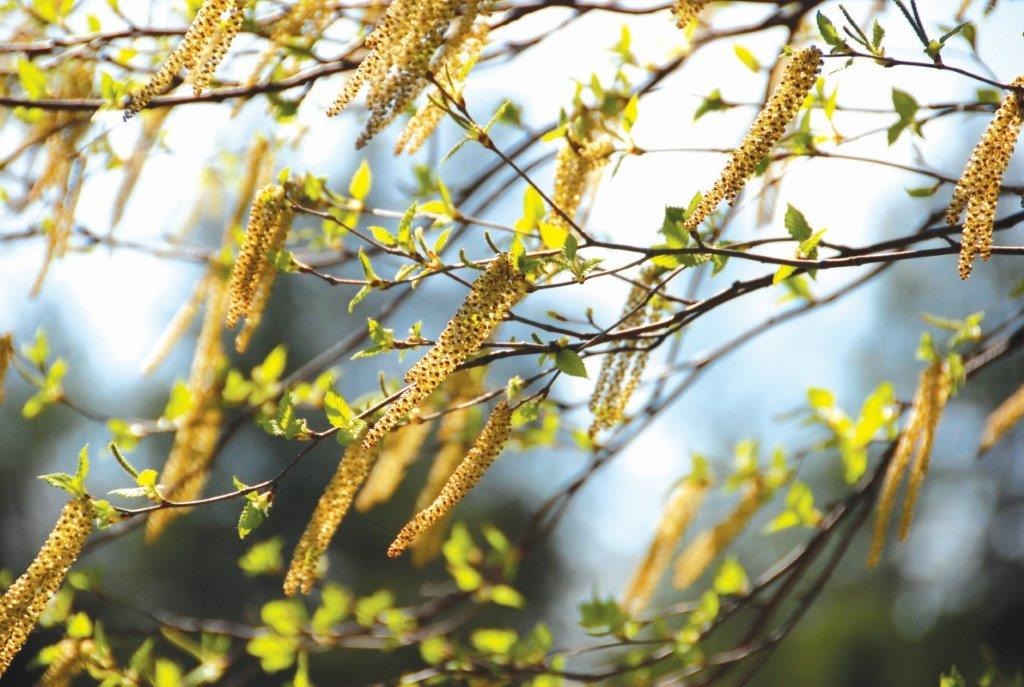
x: 952, y: 593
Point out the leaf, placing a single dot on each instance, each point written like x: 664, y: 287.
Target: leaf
x: 731, y: 578
x: 553, y: 235
x: 712, y: 103
x: 828, y: 31
x: 179, y: 402
x: 362, y: 180
x: 569, y: 362
x: 32, y: 79
x: 494, y: 641
x: 629, y: 112
x: 284, y: 616
x: 783, y: 273
x: 263, y: 558
x: 747, y: 58
x: 275, y: 652
x: 251, y: 518
x: 796, y: 224
x: 504, y: 595
x: 339, y: 414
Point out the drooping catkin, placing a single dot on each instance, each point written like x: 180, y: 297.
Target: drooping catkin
x: 931, y: 412
x: 185, y: 473
x: 450, y: 68
x: 467, y: 475
x: 683, y: 504
x: 6, y: 354
x: 400, y: 50
x: 493, y: 294
x: 687, y: 11
x: 254, y: 272
x: 577, y: 167
x: 200, y: 51
x: 613, y: 389
x: 24, y: 601
x: 177, y: 326
x: 454, y: 440
x: 998, y: 423
x: 768, y: 128
x: 925, y: 412
x: 978, y: 187
x: 151, y: 126
x: 330, y: 511
x: 69, y: 662
x: 397, y: 451
x: 707, y: 545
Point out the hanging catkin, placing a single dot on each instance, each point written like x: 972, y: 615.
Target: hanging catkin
x: 69, y: 662
x: 185, y: 473
x: 683, y: 504
x: 768, y: 128
x: 707, y: 545
x: 400, y: 50
x: 919, y: 434
x: 454, y: 440
x: 486, y: 448
x: 999, y: 422
x: 254, y: 273
x: 686, y: 11
x: 398, y: 450
x: 151, y: 125
x: 978, y: 187
x: 200, y: 51
x: 330, y: 510
x: 24, y: 601
x: 493, y: 294
x: 577, y: 168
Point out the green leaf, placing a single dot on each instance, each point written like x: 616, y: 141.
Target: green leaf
x: 335, y: 605
x: 362, y: 180
x: 784, y: 272
x: 731, y: 578
x: 179, y: 402
x: 747, y: 58
x: 712, y: 103
x: 274, y: 651
x: 79, y: 626
x: 369, y: 607
x: 32, y: 79
x: 504, y: 595
x: 284, y: 616
x: 569, y: 362
x: 796, y: 224
x: 251, y: 518
x: 494, y: 641
x: 553, y: 235
x: 272, y: 367
x: 263, y: 558
x: 828, y: 31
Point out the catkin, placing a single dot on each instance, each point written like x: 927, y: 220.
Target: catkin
x: 707, y: 545
x: 768, y: 128
x: 680, y: 511
x: 978, y: 188
x: 330, y: 510
x: 577, y: 168
x: 6, y: 354
x: 400, y: 50
x: 201, y: 49
x: 151, y: 126
x: 397, y: 451
x: 486, y: 448
x: 187, y: 468
x: 686, y: 11
x: 451, y: 67
x: 493, y: 294
x: 177, y: 326
x: 613, y: 389
x: 454, y: 441
x: 70, y: 661
x: 24, y: 601
x: 253, y: 274
x: 919, y: 434
x: 999, y: 422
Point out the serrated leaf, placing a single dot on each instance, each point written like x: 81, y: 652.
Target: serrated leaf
x: 362, y: 180
x: 569, y: 362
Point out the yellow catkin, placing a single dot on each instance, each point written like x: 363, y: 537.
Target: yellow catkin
x: 1001, y: 421
x: 187, y: 468
x: 577, y: 167
x: 486, y: 448
x: 177, y: 326
x: 6, y: 354
x: 330, y: 511
x: 151, y: 126
x: 937, y: 394
x: 768, y: 128
x: 454, y: 441
x: 70, y: 661
x: 24, y: 601
x: 202, y: 48
x: 397, y: 452
x: 707, y: 545
x: 450, y: 68
x: 680, y: 511
x: 686, y: 11
x: 400, y: 50
x: 978, y: 187
x: 613, y: 389
x: 924, y: 415
x: 253, y: 274
x: 493, y: 294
